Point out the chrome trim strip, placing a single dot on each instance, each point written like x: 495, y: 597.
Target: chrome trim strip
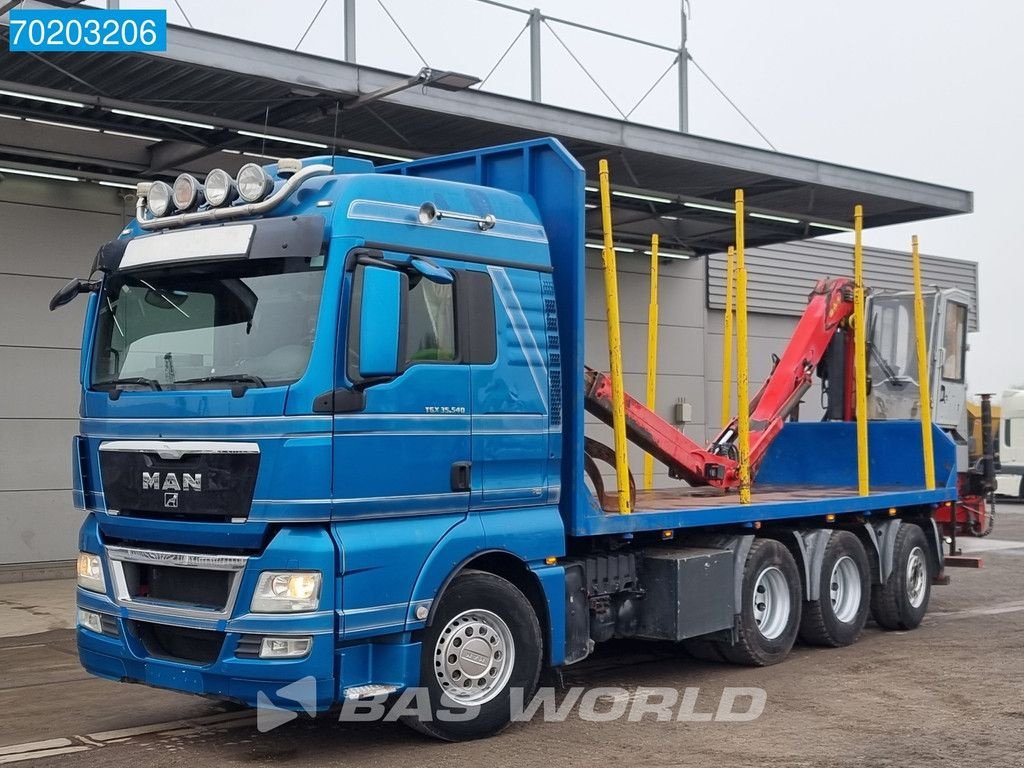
x: 203, y: 420
x: 179, y: 559
x: 175, y: 449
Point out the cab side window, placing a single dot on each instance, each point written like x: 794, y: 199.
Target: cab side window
x: 430, y: 335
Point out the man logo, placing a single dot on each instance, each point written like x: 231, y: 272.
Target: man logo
x: 171, y: 500
x: 188, y: 482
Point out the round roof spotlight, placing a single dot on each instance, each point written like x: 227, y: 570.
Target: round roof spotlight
x: 253, y: 183
x: 219, y: 187
x: 158, y: 199
x: 186, y: 191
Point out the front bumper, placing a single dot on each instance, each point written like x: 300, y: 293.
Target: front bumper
x: 254, y: 682
x: 215, y: 652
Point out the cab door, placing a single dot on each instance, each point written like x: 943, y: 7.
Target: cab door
x: 951, y: 393
x: 403, y: 446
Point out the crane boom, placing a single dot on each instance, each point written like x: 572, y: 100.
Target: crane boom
x: 829, y: 307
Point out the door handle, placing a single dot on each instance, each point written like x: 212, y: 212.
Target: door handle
x: 460, y: 475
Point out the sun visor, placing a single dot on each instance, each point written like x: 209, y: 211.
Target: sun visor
x: 289, y: 237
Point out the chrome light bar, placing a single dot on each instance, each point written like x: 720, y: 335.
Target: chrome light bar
x: 230, y: 212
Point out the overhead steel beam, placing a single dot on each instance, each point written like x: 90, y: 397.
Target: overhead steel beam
x: 203, y: 49
x: 103, y: 102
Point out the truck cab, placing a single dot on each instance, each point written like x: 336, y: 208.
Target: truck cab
x: 295, y: 428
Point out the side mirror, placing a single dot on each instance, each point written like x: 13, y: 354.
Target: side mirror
x: 71, y: 290
x: 431, y: 271
x: 382, y: 322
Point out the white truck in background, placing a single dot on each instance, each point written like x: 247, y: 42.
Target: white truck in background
x: 1010, y: 471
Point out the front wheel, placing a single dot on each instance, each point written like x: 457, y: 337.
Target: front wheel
x: 485, y: 640
x: 902, y: 601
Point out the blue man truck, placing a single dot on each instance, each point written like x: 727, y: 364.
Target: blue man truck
x: 332, y: 429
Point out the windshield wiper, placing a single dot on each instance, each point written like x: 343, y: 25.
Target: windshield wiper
x: 240, y: 382
x: 114, y: 383
x: 231, y: 378
x: 890, y: 375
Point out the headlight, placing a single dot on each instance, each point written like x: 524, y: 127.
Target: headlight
x: 287, y: 592
x: 159, y: 199
x: 219, y: 187
x: 186, y: 191
x: 253, y: 183
x: 90, y: 572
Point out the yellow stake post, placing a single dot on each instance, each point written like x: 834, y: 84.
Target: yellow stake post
x: 652, y: 354
x: 611, y: 289
x: 742, y: 372
x: 922, y: 371
x: 730, y: 268
x: 860, y: 353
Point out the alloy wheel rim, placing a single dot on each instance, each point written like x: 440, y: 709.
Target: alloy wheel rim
x: 473, y: 657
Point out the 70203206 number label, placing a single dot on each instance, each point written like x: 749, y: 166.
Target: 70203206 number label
x: 88, y: 30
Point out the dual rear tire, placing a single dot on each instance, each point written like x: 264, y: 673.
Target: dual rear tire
x: 773, y: 613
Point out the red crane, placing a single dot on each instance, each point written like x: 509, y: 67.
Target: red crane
x: 829, y: 309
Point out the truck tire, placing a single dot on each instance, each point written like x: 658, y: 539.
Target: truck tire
x: 837, y: 617
x: 769, y: 614
x: 902, y: 601
x: 484, y: 641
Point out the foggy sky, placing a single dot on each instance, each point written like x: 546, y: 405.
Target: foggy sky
x: 925, y: 89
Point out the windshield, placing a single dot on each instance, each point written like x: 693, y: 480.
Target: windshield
x: 893, y: 353
x: 217, y: 323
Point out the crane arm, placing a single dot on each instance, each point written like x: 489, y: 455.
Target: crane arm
x: 829, y: 306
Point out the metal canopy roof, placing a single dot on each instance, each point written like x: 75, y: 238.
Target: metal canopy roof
x: 230, y: 85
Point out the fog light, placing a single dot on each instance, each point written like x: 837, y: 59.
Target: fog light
x: 90, y: 572
x: 253, y: 183
x: 91, y: 621
x: 158, y: 200
x: 285, y: 647
x: 287, y: 592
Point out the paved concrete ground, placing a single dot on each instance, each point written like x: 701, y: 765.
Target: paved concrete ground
x: 949, y: 693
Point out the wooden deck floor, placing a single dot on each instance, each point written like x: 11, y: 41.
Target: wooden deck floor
x: 702, y: 498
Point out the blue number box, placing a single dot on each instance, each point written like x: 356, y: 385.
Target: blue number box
x: 88, y: 30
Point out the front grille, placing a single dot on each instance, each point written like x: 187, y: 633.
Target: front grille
x: 198, y: 646
x: 197, y: 486
x: 176, y: 583
x: 196, y: 587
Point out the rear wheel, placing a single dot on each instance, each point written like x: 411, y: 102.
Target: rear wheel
x: 769, y: 614
x: 902, y: 601
x: 837, y: 617
x: 484, y: 641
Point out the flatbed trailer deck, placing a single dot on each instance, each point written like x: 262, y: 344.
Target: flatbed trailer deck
x: 790, y: 487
